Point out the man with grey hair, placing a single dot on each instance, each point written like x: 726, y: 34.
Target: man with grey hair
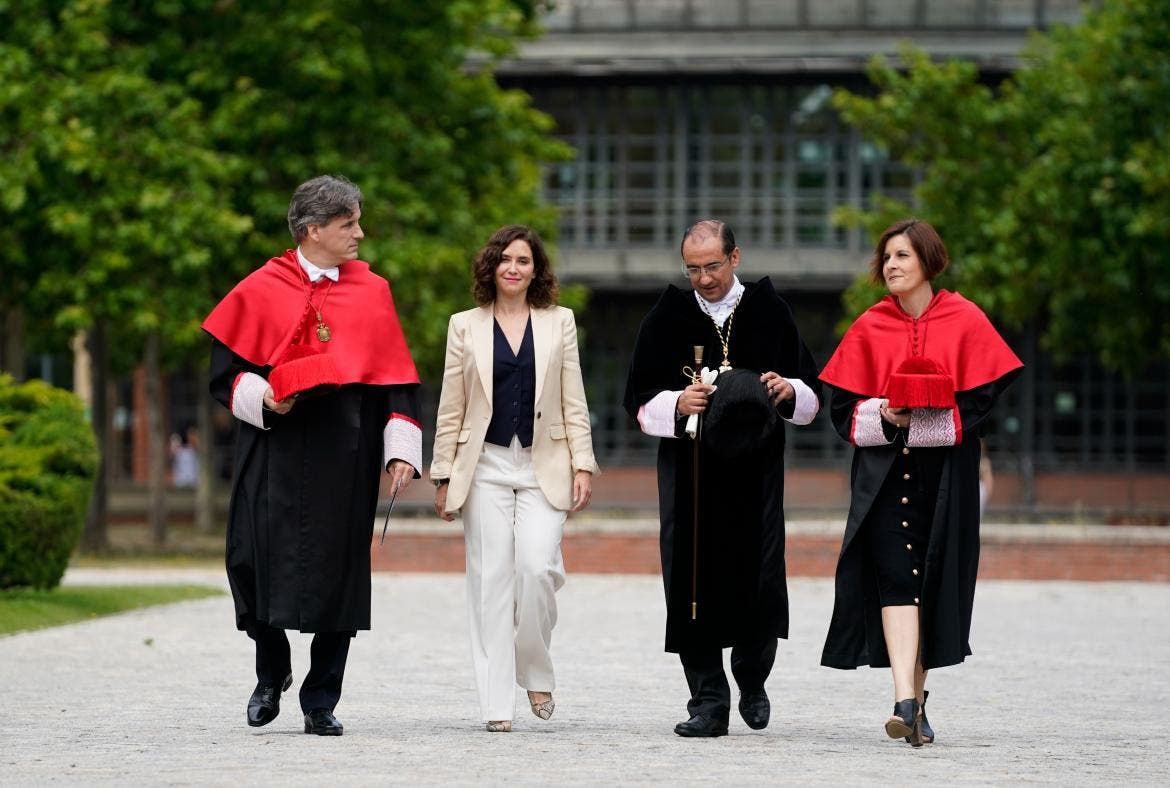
x: 721, y: 487
x: 309, y: 356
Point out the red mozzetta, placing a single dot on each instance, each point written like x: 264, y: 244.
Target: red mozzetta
x: 366, y: 343
x: 952, y: 332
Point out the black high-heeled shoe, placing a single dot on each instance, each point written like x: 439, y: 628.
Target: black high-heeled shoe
x: 906, y: 722
x: 927, y: 731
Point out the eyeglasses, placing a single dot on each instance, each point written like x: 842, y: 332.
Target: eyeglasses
x: 710, y: 269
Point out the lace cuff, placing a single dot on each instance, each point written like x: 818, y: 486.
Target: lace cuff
x: 657, y: 417
x: 867, y: 424
x: 247, y: 401
x: 402, y: 440
x: 807, y: 403
x: 934, y: 427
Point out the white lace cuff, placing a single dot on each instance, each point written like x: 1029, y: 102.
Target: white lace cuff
x: 657, y: 417
x: 934, y: 427
x: 867, y: 423
x: 402, y: 440
x: 807, y: 403
x: 248, y: 398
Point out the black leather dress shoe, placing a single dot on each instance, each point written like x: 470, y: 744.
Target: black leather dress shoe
x: 755, y: 709
x: 701, y: 725
x: 323, y: 723
x: 264, y: 704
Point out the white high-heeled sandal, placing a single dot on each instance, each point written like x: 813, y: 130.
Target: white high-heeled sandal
x: 544, y: 709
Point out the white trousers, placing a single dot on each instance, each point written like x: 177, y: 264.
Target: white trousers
x: 514, y: 568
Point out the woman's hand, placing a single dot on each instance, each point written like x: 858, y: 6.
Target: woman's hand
x: 899, y: 417
x: 282, y: 407
x: 582, y: 490
x: 441, y: 502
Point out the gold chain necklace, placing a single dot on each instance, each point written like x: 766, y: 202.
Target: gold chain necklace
x: 323, y: 332
x: 724, y: 332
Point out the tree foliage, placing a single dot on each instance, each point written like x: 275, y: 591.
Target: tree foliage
x: 150, y: 149
x: 47, y: 465
x: 1052, y: 190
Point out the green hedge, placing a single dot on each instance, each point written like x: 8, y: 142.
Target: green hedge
x: 48, y: 460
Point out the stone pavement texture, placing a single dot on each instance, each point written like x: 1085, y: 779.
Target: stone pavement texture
x: 1068, y: 686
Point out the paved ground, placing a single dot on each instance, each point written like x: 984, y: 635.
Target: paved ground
x: 1068, y: 686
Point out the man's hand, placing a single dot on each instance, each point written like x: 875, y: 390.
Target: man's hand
x: 694, y: 399
x: 779, y: 389
x: 282, y: 407
x: 401, y: 475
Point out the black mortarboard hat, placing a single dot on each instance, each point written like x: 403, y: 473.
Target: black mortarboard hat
x: 740, y: 418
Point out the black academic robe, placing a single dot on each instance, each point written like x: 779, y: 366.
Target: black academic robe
x: 855, y: 634
x: 303, y: 502
x: 739, y: 583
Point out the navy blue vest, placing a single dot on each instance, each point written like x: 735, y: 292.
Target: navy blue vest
x: 513, y: 389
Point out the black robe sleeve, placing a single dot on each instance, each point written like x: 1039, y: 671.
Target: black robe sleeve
x: 226, y: 366
x: 796, y: 360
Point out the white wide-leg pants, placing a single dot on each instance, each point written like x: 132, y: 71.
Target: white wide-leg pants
x: 514, y: 568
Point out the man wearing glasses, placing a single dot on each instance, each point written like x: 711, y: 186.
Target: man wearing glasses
x: 721, y: 512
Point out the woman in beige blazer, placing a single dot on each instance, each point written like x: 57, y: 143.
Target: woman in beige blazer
x: 513, y: 453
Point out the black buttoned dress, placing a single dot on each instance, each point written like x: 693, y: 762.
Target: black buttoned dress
x: 896, y: 532
x: 911, y: 538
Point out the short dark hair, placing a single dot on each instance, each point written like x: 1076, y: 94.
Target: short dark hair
x: 707, y: 227
x: 925, y: 241
x: 543, y: 290
x: 319, y: 201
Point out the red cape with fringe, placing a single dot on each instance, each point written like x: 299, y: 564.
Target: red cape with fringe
x: 269, y: 311
x: 953, y: 332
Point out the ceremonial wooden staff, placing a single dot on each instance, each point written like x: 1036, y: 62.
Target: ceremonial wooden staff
x: 696, y: 378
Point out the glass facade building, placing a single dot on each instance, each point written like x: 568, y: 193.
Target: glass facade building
x: 684, y: 109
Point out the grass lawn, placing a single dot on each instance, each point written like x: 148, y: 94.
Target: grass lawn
x: 23, y: 609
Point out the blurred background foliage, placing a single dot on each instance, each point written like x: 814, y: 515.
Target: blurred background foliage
x: 150, y: 148
x: 48, y: 460
x: 1052, y: 189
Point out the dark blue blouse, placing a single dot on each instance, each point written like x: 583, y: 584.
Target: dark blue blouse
x: 514, y: 389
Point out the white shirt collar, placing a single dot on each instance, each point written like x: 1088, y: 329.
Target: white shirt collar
x: 724, y: 306
x: 313, y: 271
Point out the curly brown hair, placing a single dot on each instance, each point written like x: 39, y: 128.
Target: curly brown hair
x: 542, y: 292
x: 925, y: 241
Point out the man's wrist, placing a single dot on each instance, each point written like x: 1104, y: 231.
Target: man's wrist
x: 439, y: 482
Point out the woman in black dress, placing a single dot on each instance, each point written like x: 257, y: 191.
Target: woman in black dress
x: 913, y: 381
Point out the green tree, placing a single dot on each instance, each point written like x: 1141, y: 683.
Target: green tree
x: 150, y: 148
x: 1052, y: 190
x: 116, y: 218
x: 381, y: 92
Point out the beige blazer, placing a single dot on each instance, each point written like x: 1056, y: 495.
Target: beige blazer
x: 562, y: 442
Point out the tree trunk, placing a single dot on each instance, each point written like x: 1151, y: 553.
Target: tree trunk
x: 157, y: 436
x: 205, y: 513
x: 12, y: 350
x: 95, y: 538
x: 1028, y: 428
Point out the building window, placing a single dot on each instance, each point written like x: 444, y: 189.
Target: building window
x: 773, y: 160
